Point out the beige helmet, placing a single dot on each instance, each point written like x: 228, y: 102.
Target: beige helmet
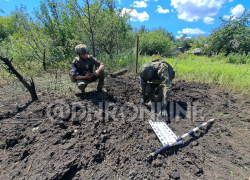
x: 81, y: 49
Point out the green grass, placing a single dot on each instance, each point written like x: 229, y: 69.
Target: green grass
x: 202, y: 69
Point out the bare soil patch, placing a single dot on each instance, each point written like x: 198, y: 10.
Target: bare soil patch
x: 119, y: 149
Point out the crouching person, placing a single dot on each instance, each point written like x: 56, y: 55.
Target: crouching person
x: 156, y: 74
x: 82, y: 69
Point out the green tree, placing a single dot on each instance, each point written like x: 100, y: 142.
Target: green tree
x: 233, y: 36
x: 163, y: 31
x: 154, y: 43
x: 114, y: 34
x: 57, y: 24
x: 198, y: 42
x: 7, y: 26
x: 183, y: 41
x: 87, y: 18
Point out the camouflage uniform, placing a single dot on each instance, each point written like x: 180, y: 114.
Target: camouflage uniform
x: 84, y: 66
x: 156, y: 74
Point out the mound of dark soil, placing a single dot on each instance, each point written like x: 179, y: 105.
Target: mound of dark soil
x: 108, y: 148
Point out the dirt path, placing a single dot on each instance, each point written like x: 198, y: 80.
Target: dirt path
x: 119, y: 149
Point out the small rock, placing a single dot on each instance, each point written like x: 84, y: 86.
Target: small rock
x: 36, y: 128
x: 195, y: 143
x: 174, y: 175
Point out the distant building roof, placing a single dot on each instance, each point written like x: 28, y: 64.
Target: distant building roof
x: 196, y: 50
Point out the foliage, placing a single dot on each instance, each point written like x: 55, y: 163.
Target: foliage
x: 154, y: 42
x: 57, y: 24
x: 114, y: 35
x: 198, y: 42
x: 29, y: 43
x: 7, y: 27
x: 238, y: 58
x: 49, y: 37
x: 183, y: 41
x: 164, y: 32
x: 233, y: 36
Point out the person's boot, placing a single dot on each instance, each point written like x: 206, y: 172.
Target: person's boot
x: 100, y: 90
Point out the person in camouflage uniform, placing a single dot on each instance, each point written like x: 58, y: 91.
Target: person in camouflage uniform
x: 156, y: 74
x: 82, y: 69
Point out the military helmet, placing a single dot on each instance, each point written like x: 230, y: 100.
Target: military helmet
x: 81, y: 49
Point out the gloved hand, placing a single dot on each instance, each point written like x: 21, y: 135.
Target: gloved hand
x: 163, y: 111
x: 142, y: 101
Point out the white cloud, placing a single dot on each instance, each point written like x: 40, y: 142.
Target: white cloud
x: 231, y: 0
x: 178, y: 37
x: 139, y: 4
x: 226, y: 17
x: 156, y: 0
x: 135, y: 16
x: 208, y: 20
x: 193, y: 10
x: 162, y: 11
x: 191, y: 31
x: 119, y: 1
x: 236, y: 12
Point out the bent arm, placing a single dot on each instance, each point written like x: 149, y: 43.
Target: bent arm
x: 80, y: 77
x: 101, y: 67
x: 166, y: 86
x: 84, y: 77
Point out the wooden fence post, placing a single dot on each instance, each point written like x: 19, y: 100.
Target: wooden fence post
x: 137, y: 51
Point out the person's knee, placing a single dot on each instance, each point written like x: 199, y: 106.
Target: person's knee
x: 82, y: 86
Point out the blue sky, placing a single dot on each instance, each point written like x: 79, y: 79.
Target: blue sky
x: 193, y: 17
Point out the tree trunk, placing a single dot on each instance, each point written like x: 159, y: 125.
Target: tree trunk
x: 44, y: 61
x: 30, y: 87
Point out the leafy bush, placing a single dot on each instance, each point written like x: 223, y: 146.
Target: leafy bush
x: 172, y: 52
x: 238, y: 58
x: 154, y: 43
